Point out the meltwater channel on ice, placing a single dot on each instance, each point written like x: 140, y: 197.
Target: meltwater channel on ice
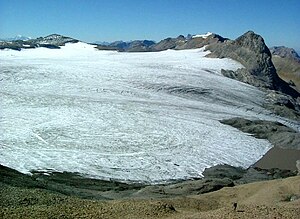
x: 148, y: 117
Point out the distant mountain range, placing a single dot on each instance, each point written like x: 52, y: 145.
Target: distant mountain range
x: 18, y: 37
x: 285, y: 52
x: 178, y: 43
x: 54, y: 41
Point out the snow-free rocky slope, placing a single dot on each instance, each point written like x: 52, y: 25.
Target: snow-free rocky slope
x: 287, y: 63
x: 127, y: 116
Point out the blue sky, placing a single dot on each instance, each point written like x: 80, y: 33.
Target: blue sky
x: 278, y: 21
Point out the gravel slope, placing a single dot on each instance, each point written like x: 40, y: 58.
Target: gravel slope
x: 269, y: 199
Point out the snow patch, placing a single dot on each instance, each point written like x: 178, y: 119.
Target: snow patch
x: 202, y: 35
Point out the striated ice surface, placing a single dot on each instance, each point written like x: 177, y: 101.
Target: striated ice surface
x: 128, y: 116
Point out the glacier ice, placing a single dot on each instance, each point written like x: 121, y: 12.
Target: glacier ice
x: 128, y: 116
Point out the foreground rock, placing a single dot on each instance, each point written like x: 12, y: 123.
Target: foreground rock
x: 277, y: 198
x: 75, y: 185
x: 72, y: 184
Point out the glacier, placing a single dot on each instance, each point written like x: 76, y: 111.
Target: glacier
x: 146, y: 117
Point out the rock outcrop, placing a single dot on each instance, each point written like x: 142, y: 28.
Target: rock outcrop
x: 224, y: 171
x: 251, y: 51
x: 278, y: 134
x: 168, y: 43
x: 286, y: 142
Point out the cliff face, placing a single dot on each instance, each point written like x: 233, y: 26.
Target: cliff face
x: 251, y: 51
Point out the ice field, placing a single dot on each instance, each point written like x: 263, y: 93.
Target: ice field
x: 148, y: 117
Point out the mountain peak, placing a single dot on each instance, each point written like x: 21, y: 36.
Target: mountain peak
x: 253, y: 42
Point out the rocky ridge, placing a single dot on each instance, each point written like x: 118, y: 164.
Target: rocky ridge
x: 178, y: 43
x: 53, y: 41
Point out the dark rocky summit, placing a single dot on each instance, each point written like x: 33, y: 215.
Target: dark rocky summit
x: 251, y: 51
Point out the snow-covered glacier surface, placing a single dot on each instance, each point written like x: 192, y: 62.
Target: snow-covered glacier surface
x: 126, y: 116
